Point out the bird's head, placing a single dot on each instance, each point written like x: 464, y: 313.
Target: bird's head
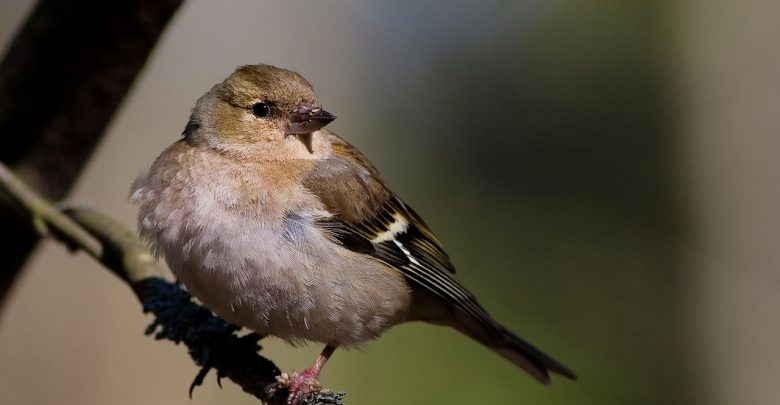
x: 262, y: 110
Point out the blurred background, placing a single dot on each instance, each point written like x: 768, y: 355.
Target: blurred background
x: 603, y: 174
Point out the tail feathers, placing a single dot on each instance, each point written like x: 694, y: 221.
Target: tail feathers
x: 529, y: 358
x: 484, y: 329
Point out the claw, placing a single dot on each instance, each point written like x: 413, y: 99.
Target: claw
x: 299, y: 385
x: 296, y: 385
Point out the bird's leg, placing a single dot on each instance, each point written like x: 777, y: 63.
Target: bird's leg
x: 300, y: 384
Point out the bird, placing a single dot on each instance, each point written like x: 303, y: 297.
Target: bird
x: 280, y: 226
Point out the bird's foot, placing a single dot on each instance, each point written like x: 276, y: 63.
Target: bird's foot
x: 297, y: 385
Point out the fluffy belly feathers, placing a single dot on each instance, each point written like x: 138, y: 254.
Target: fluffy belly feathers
x: 277, y: 275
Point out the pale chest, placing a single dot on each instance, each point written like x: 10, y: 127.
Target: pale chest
x: 259, y: 260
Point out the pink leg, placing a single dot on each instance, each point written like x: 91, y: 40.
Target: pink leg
x: 308, y: 381
x: 322, y: 359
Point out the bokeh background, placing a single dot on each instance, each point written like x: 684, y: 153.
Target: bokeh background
x: 603, y: 174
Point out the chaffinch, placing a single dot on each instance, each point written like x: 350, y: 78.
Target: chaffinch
x: 281, y: 226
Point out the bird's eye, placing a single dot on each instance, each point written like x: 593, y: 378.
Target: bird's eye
x: 261, y: 109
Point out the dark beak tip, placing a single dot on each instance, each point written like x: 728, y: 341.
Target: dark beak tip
x: 327, y: 117
x: 310, y: 121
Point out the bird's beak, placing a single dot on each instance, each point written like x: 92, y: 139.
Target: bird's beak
x: 306, y: 118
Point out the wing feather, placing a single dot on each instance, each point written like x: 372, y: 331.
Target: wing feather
x: 367, y: 218
x: 380, y: 224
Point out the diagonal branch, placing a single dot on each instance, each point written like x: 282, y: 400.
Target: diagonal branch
x: 61, y: 80
x: 211, y: 342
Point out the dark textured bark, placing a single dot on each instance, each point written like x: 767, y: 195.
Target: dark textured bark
x: 61, y: 81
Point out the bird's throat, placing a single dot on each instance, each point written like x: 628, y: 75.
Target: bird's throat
x: 306, y: 140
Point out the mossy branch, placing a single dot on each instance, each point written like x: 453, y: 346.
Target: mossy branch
x: 211, y: 342
x: 83, y: 57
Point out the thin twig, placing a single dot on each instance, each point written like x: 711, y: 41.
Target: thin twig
x: 44, y: 216
x: 82, y: 57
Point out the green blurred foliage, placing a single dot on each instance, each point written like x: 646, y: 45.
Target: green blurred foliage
x: 537, y: 141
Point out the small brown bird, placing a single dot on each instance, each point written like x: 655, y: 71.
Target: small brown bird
x: 282, y: 227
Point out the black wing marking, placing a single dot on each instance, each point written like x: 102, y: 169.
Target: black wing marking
x: 347, y: 237
x: 400, y: 238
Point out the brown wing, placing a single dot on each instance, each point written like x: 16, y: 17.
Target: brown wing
x: 369, y: 219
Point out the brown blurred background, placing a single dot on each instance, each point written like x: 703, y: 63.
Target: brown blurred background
x: 603, y: 174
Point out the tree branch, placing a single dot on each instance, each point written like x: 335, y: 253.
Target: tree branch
x: 62, y: 79
x: 211, y: 342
